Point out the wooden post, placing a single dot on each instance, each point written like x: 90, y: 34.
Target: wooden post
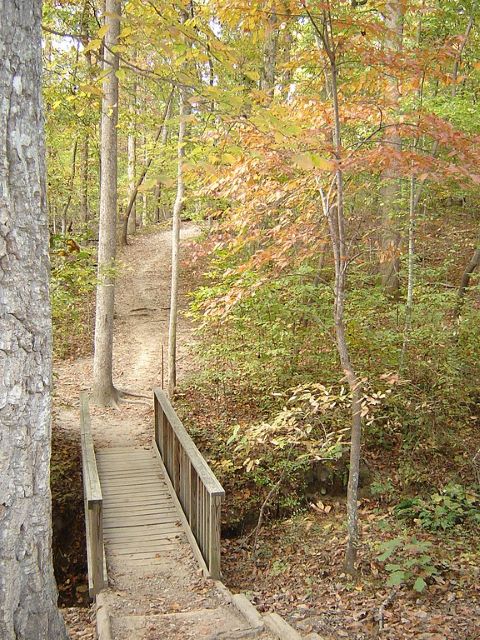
x: 163, y: 448
x: 158, y: 423
x: 95, y: 514
x: 214, y: 551
x: 176, y: 464
x: 188, y: 493
x: 193, y: 520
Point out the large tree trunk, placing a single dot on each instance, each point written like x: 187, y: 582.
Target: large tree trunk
x: 28, y: 596
x: 104, y: 392
x: 390, y: 237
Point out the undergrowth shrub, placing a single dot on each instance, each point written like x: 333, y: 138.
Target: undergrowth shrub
x: 410, y: 562
x: 298, y: 451
x: 452, y: 505
x: 72, y: 284
x: 277, y: 333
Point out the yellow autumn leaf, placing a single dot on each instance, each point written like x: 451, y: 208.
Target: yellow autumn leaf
x: 309, y: 160
x: 253, y: 75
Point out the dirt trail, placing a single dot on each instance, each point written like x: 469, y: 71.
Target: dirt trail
x: 141, y: 327
x: 169, y: 599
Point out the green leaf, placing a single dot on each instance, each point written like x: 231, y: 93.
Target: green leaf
x: 396, y: 578
x: 419, y: 585
x: 390, y: 547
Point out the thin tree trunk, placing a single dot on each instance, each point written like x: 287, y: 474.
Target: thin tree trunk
x: 336, y: 220
x: 415, y: 196
x: 177, y: 210
x: 163, y: 142
x: 286, y: 75
x: 131, y: 164
x: 54, y: 215
x: 156, y: 197
x: 84, y: 168
x: 390, y: 236
x: 270, y: 56
x: 342, y: 345
x: 131, y: 170
x: 140, y: 180
x: 104, y: 393
x: 473, y: 264
x: 411, y: 271
x: 28, y: 595
x: 71, y: 183
x: 143, y: 216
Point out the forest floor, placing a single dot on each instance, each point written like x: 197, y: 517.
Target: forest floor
x: 297, y: 570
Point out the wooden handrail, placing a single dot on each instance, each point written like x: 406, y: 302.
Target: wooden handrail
x: 199, y: 493
x: 93, y: 501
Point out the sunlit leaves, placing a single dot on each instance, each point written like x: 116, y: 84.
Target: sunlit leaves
x: 309, y: 160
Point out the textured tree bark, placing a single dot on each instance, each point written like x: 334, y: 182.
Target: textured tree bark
x: 28, y: 595
x: 104, y: 393
x: 390, y: 237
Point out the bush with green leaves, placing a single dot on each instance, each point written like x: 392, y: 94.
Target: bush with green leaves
x: 409, y: 562
x: 308, y: 431
x: 452, y: 505
x: 73, y: 281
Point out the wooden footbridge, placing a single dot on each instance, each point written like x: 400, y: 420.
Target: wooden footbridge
x: 153, y: 541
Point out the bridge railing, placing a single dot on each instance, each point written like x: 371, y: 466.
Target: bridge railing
x: 93, y: 501
x: 198, y: 491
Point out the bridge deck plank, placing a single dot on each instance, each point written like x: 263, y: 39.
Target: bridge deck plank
x: 140, y: 519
